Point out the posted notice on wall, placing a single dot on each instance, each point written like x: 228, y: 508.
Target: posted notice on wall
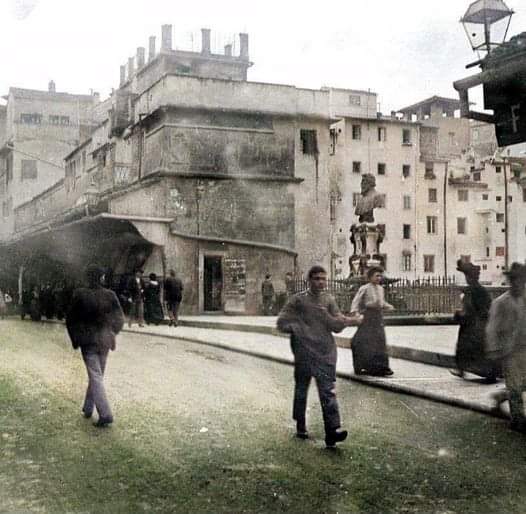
x: 235, y: 282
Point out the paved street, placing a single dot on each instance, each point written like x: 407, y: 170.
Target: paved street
x: 411, y: 377
x: 202, y: 429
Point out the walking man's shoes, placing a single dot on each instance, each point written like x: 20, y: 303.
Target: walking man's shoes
x: 335, y: 437
x: 103, y: 422
x: 302, y: 434
x: 86, y: 414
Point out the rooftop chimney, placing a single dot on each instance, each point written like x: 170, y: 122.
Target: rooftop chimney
x: 205, y: 41
x: 141, y: 52
x: 123, y: 75
x: 228, y: 50
x: 243, y: 46
x: 166, y: 38
x: 151, y: 48
x: 131, y: 67
x: 51, y: 87
x: 96, y: 97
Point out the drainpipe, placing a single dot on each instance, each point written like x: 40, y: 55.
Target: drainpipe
x: 506, y: 228
x: 445, y: 218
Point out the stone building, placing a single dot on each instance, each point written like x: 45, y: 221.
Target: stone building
x: 38, y: 129
x: 195, y: 169
x: 440, y: 176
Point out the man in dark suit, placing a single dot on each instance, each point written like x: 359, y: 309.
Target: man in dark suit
x: 136, y: 290
x: 94, y: 319
x: 173, y: 295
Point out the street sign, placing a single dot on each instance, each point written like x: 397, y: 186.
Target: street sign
x: 507, y: 98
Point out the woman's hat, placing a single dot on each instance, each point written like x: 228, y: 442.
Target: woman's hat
x: 467, y: 268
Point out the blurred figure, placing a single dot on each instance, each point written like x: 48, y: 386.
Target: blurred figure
x: 35, y: 310
x: 3, y: 306
x: 93, y: 321
x: 473, y: 318
x: 136, y: 290
x: 289, y: 284
x: 173, y: 296
x: 506, y: 340
x: 369, y: 348
x: 267, y: 292
x: 25, y: 303
x: 153, y: 309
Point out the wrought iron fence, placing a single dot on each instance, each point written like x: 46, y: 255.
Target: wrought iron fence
x: 421, y: 296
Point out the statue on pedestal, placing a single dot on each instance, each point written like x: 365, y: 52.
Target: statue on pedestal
x: 366, y: 237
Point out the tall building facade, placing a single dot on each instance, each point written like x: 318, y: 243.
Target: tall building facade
x: 39, y: 129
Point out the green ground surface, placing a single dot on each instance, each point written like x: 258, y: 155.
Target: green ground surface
x: 203, y: 430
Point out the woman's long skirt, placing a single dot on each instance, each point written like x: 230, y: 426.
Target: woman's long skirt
x: 369, y: 349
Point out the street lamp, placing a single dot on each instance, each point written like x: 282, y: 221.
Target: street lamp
x: 486, y: 23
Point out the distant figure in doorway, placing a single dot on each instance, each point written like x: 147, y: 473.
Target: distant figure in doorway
x: 136, y: 291
x: 267, y: 292
x: 310, y: 317
x: 369, y: 349
x: 173, y: 296
x: 153, y: 309
x: 473, y: 318
x: 93, y: 320
x: 506, y: 341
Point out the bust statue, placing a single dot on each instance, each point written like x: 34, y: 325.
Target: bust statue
x: 368, y: 201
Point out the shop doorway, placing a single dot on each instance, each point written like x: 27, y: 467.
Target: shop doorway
x: 213, y: 283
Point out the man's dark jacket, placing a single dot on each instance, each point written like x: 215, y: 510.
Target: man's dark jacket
x: 94, y: 318
x: 173, y: 290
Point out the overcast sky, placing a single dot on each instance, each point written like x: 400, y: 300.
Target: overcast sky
x: 404, y: 50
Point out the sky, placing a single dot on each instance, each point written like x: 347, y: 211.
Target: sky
x: 405, y: 50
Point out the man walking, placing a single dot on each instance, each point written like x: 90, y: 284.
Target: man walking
x: 173, y: 296
x: 506, y: 340
x: 94, y: 319
x: 267, y: 292
x: 311, y: 317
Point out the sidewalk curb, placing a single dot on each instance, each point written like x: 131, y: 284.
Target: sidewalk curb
x: 398, y: 352
x: 385, y: 384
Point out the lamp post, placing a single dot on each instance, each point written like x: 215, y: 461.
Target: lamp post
x: 506, y: 223
x: 486, y: 23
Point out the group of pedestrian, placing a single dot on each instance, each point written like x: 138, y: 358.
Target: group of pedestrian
x: 491, y: 341
x: 50, y: 300
x: 141, y: 299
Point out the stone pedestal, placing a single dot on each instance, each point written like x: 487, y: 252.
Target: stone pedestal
x: 366, y: 239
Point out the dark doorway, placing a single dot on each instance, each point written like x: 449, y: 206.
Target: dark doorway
x: 213, y: 286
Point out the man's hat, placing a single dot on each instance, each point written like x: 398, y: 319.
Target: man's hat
x: 468, y: 269
x: 516, y: 270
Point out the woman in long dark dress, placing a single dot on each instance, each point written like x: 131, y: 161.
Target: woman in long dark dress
x: 473, y: 318
x: 153, y: 309
x: 369, y: 349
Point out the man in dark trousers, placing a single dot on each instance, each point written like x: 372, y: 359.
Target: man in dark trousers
x: 310, y: 317
x: 267, y: 292
x: 173, y: 295
x: 94, y: 319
